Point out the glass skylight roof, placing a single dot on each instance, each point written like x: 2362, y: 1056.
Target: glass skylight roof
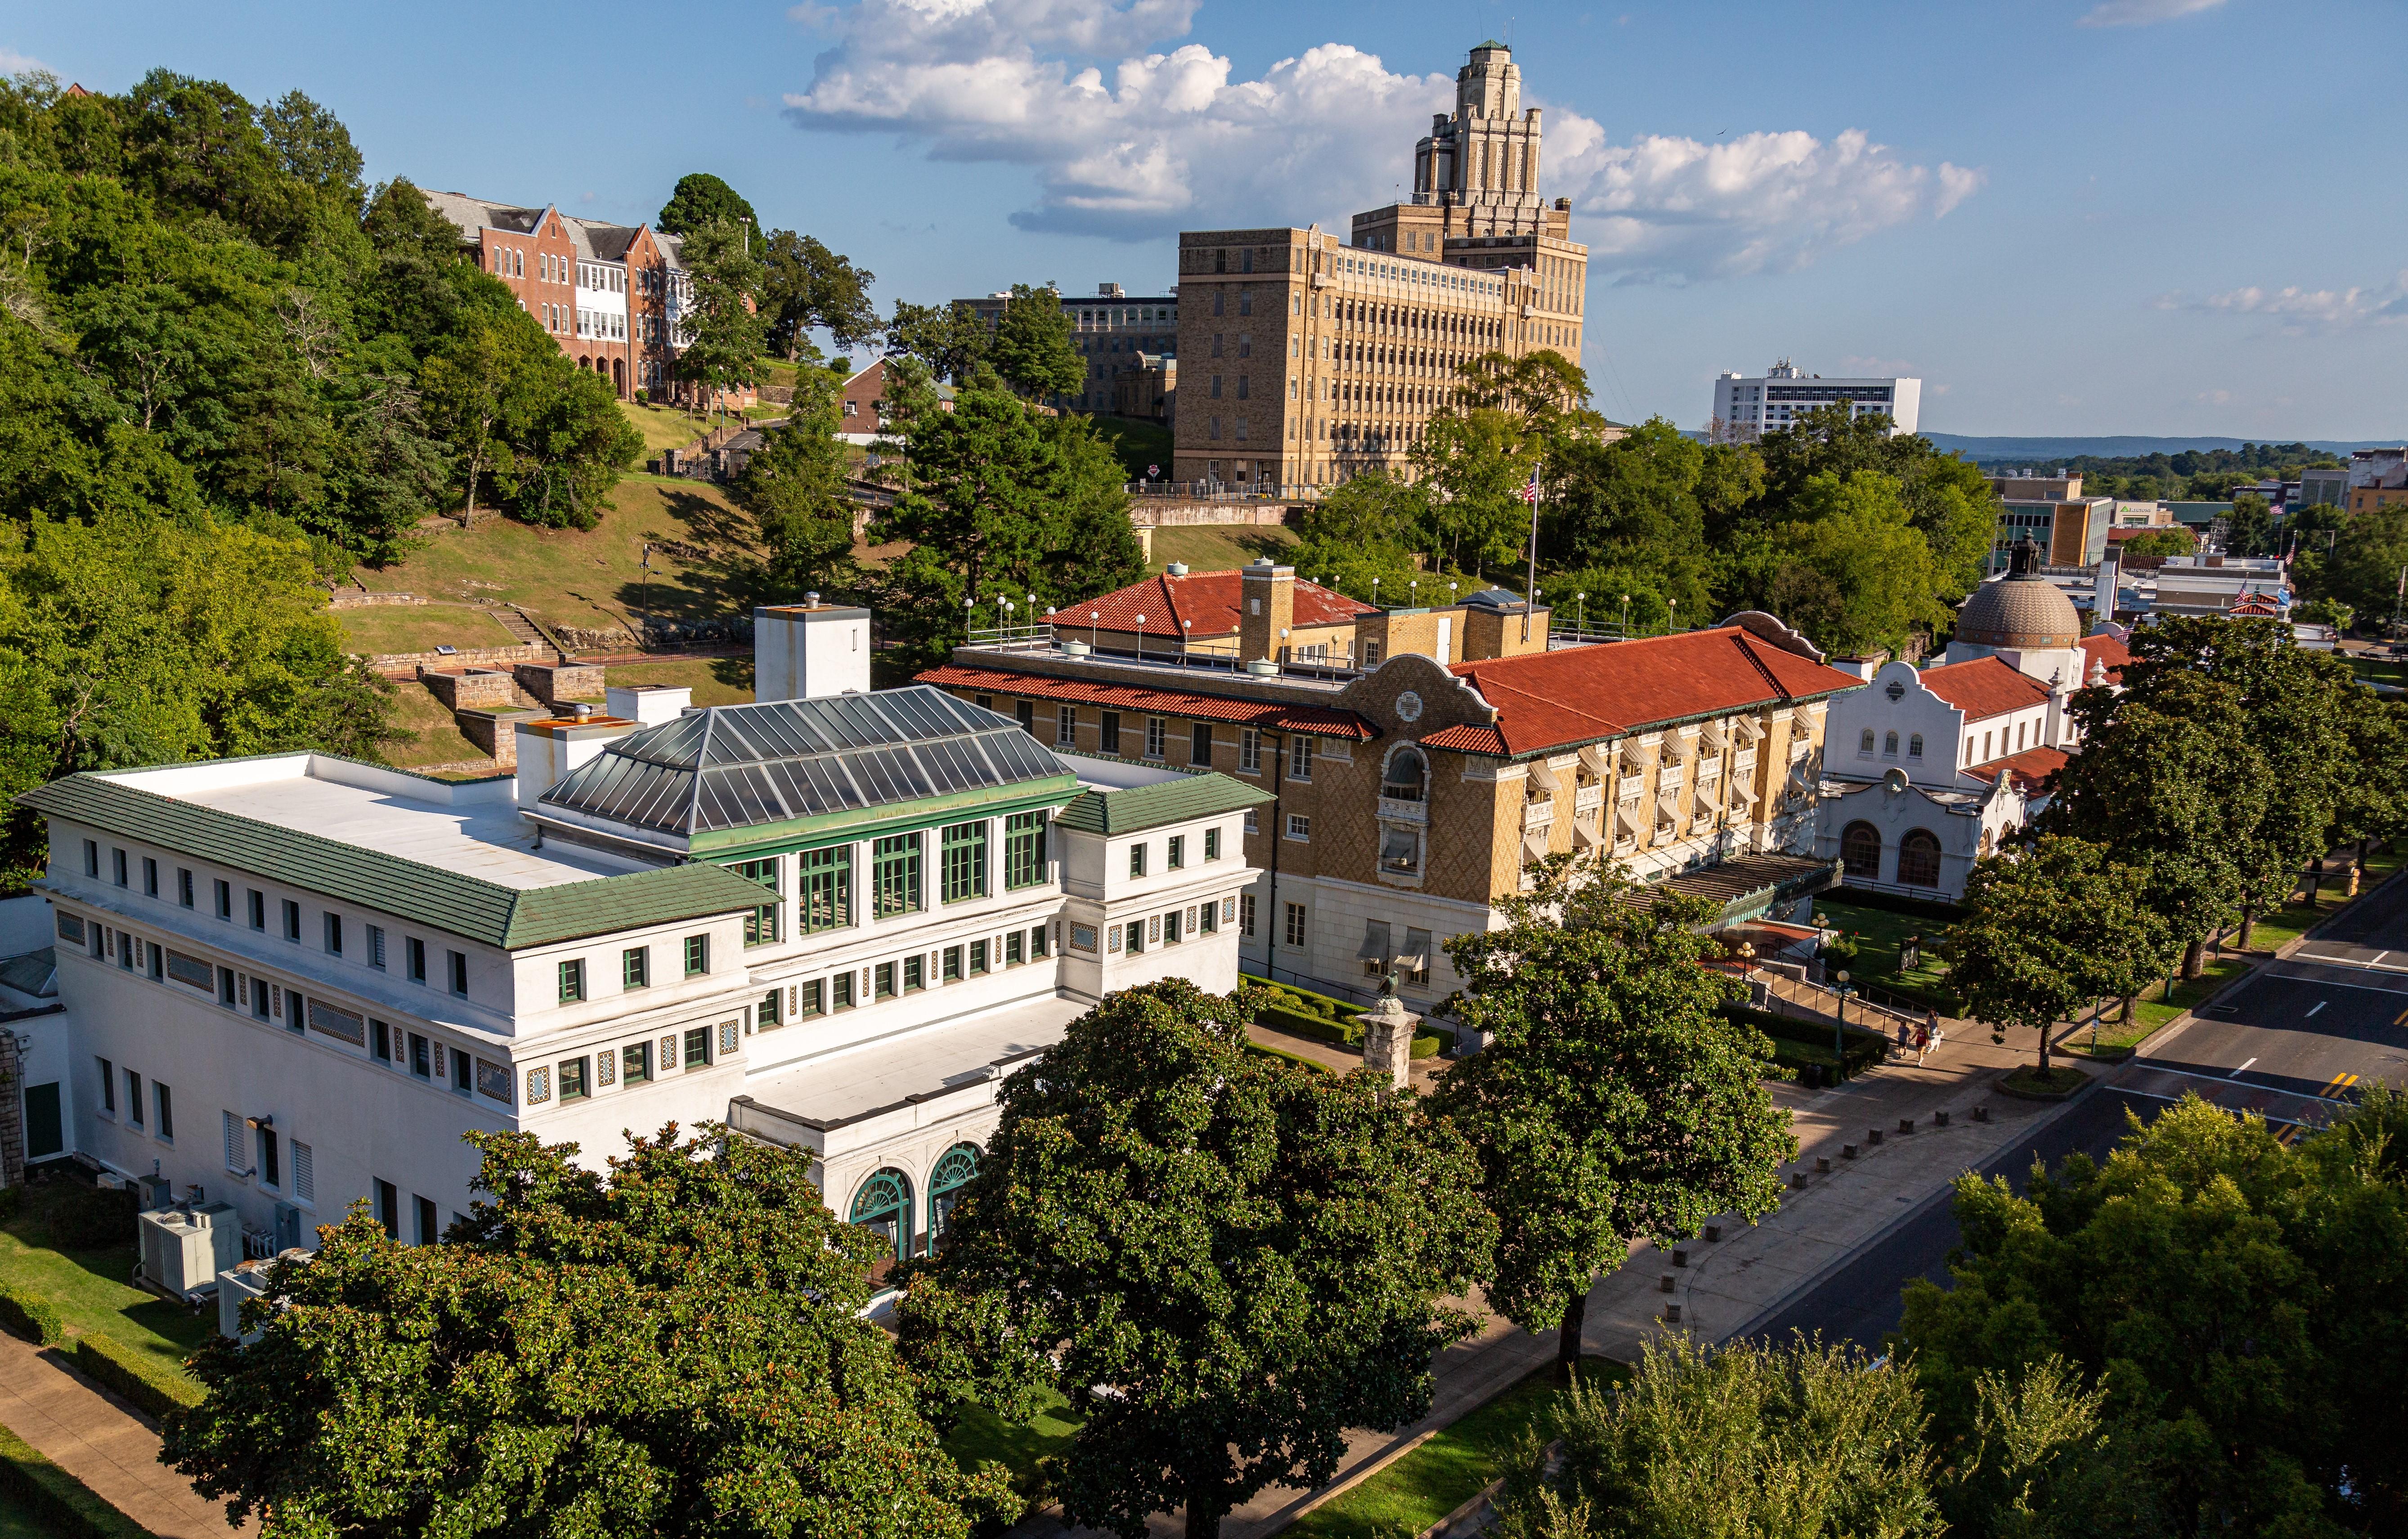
x: 742, y: 766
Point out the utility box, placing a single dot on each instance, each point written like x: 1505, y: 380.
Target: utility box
x: 810, y: 651
x: 184, y: 1249
x: 158, y: 1193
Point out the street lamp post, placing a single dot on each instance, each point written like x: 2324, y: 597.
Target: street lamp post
x: 1625, y: 617
x: 1140, y: 637
x: 1839, y: 1032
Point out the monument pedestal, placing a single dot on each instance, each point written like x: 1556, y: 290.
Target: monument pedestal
x: 1388, y: 1039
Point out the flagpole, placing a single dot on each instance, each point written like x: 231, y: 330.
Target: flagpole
x: 1530, y: 585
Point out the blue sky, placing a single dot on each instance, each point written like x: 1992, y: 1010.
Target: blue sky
x: 2068, y: 216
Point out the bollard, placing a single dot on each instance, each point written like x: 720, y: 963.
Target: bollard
x: 1822, y: 1164
x: 1679, y: 1257
x: 1981, y: 1114
x: 1671, y: 1313
x: 1906, y: 1125
x: 1940, y: 1119
x: 1847, y: 1151
x: 1666, y: 1285
x: 1872, y: 1137
x: 1714, y: 1233
x: 1798, y: 1180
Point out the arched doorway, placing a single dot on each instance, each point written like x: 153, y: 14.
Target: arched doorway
x: 619, y: 375
x: 1918, y: 858
x: 1861, y: 851
x: 945, y: 1184
x: 883, y: 1206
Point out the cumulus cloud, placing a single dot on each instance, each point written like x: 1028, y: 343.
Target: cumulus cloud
x: 1135, y: 145
x: 2299, y: 310
x: 14, y: 62
x: 2140, y: 13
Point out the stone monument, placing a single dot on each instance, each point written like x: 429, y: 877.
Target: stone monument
x: 1388, y: 1035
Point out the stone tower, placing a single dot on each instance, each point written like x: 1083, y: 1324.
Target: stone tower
x: 1485, y: 158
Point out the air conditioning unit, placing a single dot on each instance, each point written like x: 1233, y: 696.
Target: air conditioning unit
x: 246, y: 1281
x: 183, y: 1249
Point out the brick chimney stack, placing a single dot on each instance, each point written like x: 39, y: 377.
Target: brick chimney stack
x: 1267, y: 614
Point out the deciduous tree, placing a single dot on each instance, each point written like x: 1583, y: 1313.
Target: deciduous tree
x: 726, y: 336
x: 700, y: 198
x: 806, y: 286
x: 796, y: 490
x: 1031, y: 346
x: 2051, y: 929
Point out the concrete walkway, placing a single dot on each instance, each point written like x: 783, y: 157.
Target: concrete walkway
x: 94, y: 1436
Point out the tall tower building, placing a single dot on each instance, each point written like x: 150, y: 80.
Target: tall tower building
x: 1485, y: 158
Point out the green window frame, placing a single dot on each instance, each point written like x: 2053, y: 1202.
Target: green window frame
x: 635, y: 1063
x: 1136, y: 858
x: 882, y: 978
x: 963, y: 851
x: 636, y: 967
x: 826, y: 887
x: 1177, y: 858
x: 697, y: 954
x: 1023, y: 850
x: 697, y: 1048
x: 1011, y: 942
x: 1212, y: 843
x: 761, y: 925
x: 895, y: 875
x: 1036, y: 942
x: 914, y: 973
x: 840, y: 987
x: 572, y: 979
x: 767, y: 1014
x: 978, y: 958
x: 807, y: 998
x: 949, y: 969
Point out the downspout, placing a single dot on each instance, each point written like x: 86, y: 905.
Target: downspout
x: 1271, y: 942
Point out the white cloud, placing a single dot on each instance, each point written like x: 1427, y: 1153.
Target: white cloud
x: 1874, y: 369
x: 2299, y: 310
x: 2213, y: 397
x: 2140, y: 13
x: 14, y: 62
x: 1138, y: 145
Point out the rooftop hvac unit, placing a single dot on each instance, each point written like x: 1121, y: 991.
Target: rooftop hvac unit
x: 183, y: 1249
x: 246, y: 1281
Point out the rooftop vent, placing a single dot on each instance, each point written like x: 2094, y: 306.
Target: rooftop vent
x: 1177, y: 569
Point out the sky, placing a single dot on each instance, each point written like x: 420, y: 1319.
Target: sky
x: 2068, y: 217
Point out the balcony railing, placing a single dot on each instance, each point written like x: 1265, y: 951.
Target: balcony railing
x: 1400, y: 809
x: 1538, y: 814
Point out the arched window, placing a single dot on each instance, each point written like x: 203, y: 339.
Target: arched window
x: 1918, y: 858
x: 1914, y: 746
x: 945, y: 1184
x: 1865, y: 743
x: 883, y: 1206
x: 1406, y: 775
x: 1889, y: 745
x: 1861, y: 851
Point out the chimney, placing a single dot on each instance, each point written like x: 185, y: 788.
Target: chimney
x: 549, y: 749
x: 2102, y: 596
x: 648, y: 705
x: 810, y: 651
x: 1266, y: 611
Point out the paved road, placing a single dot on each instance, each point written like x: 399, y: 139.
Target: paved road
x: 2289, y: 1044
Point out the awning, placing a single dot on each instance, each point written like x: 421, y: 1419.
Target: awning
x: 1415, y: 958
x: 1399, y: 849
x: 1745, y: 729
x: 1375, y: 941
x: 1667, y: 809
x: 1585, y: 837
x: 1592, y: 756
x: 1712, y: 734
x: 1625, y: 820
x: 1542, y: 777
x: 1534, y: 844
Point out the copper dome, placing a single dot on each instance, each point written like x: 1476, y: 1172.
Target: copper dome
x: 2022, y: 609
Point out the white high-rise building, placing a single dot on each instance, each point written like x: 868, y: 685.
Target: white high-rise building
x: 1747, y: 407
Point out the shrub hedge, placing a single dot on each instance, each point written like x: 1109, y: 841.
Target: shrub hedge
x: 55, y: 1500
x: 1920, y: 908
x: 1342, y: 1033
x: 1863, y: 1048
x: 140, y: 1383
x: 30, y: 1316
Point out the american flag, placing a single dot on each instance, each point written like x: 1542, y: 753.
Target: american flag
x: 1530, y: 490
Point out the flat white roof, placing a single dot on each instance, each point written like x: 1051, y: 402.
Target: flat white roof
x: 849, y: 1081
x: 473, y: 829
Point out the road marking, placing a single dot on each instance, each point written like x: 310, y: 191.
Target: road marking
x: 2242, y: 1070
x: 2338, y: 1087
x: 2320, y: 1004
x: 2400, y: 1019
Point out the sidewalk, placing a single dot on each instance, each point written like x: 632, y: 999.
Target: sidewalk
x: 97, y: 1440
x: 1727, y: 1285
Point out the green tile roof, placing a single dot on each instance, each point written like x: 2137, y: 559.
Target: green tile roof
x: 1136, y: 807
x: 498, y: 916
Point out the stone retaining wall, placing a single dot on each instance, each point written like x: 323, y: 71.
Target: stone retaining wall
x: 496, y: 733
x: 357, y: 600
x: 552, y: 683
x: 1148, y: 512
x: 408, y: 664
x: 470, y: 688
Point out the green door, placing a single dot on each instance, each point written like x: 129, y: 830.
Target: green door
x: 44, y: 1133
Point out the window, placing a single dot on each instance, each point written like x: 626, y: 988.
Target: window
x: 414, y: 951
x: 697, y: 954
x: 1299, y: 757
x: 1299, y: 828
x: 107, y: 1085
x: 1406, y: 775
x: 1065, y: 727
x: 376, y: 947
x: 1889, y: 745
x: 388, y: 1208
x: 117, y: 866
x: 1918, y: 858
x: 1013, y: 955
x: 1865, y: 743
x: 1249, y: 751
x: 430, y: 1227
x: 271, y: 1163
x: 808, y: 998
x: 1176, y: 857
x: 895, y: 875
x: 1110, y: 741
x: 1400, y: 850
x: 226, y: 987
x: 914, y: 972
x: 761, y: 925
x: 1137, y: 860
x: 882, y: 981
x: 149, y: 877
x: 1377, y: 952
x: 381, y: 1040
x: 1023, y: 850
x: 1027, y: 712
x: 91, y: 858
x: 572, y: 1080
x: 183, y: 887
x: 635, y: 1063
x: 697, y: 1048
x: 1153, y: 734
x: 154, y: 959
x: 1294, y: 922
x: 421, y: 1056
x: 1212, y: 844
x: 1210, y: 919
x: 259, y: 999
x: 1253, y: 824
x: 460, y: 1070
x: 978, y: 958
x: 963, y: 851
x: 1370, y: 653
x: 1416, y: 958
x: 1199, y: 744
x: 572, y: 979
x: 291, y: 920
x: 459, y: 960
x: 334, y: 935
x: 305, y: 1172
x: 949, y: 965
x: 1914, y: 746
x: 1170, y: 928
x: 840, y: 989
x: 1135, y: 930
x: 826, y: 885
x: 1246, y: 914
x: 134, y: 1098
x: 258, y: 910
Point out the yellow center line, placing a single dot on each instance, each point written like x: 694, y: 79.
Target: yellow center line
x: 2338, y: 1087
x: 2400, y: 1019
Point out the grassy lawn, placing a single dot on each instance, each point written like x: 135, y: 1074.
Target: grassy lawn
x: 89, y: 1287
x: 593, y: 576
x: 1218, y: 547
x: 663, y: 428
x: 422, y: 627
x: 1139, y: 444
x: 1878, y: 933
x: 2383, y: 671
x: 1444, y: 1473
x: 715, y: 681
x: 16, y: 1522
x: 433, y: 736
x: 982, y: 1437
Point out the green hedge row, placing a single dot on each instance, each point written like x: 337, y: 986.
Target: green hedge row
x: 27, y: 1315
x: 1863, y: 1047
x: 55, y: 1500
x: 1260, y: 1051
x: 1338, y: 1033
x: 146, y: 1387
x: 1290, y: 996
x: 1919, y: 908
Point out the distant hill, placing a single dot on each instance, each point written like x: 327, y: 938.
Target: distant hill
x: 1989, y: 451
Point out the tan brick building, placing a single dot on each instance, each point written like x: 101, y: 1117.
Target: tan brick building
x: 1413, y: 791
x: 1309, y: 358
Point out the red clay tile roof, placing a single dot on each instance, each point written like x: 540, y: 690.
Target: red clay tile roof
x: 2026, y: 769
x: 1983, y: 687
x: 1465, y: 738
x: 1551, y: 699
x: 1207, y: 601
x: 2107, y: 651
x: 1272, y: 715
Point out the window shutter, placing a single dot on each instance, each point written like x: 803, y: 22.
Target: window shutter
x: 233, y: 1143
x: 304, y: 1172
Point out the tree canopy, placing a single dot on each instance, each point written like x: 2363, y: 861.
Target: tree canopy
x: 726, y: 333
x: 1221, y: 1259
x: 1031, y: 346
x: 675, y: 1347
x: 806, y: 286
x: 2050, y: 929
x: 795, y: 490
x: 700, y: 198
